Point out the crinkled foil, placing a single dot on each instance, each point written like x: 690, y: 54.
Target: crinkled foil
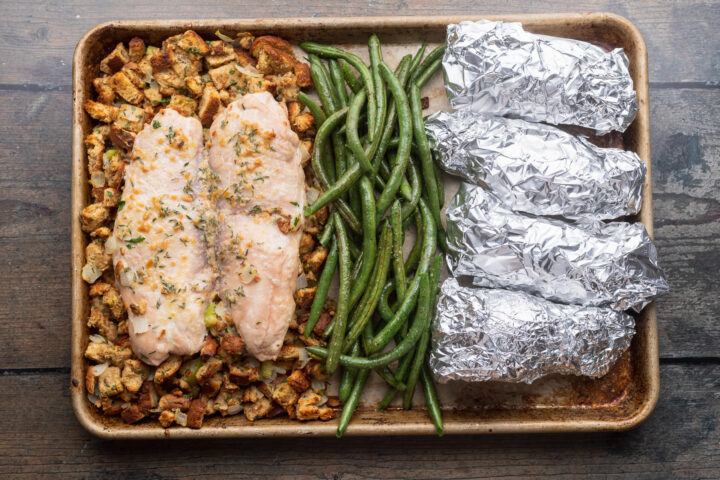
x: 481, y: 334
x: 537, y: 168
x: 594, y: 263
x: 500, y: 68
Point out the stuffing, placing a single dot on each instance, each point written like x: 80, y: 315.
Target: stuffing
x: 136, y: 49
x: 115, y: 60
x: 104, y: 89
x: 304, y: 297
x: 93, y: 216
x: 101, y: 112
x: 183, y: 105
x: 133, y: 375
x: 195, y: 78
x: 125, y: 88
x: 209, y: 105
x: 109, y: 383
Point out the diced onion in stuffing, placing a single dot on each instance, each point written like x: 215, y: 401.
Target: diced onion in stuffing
x: 234, y: 409
x: 99, y: 369
x: 95, y: 338
x: 317, y: 385
x: 93, y: 398
x: 181, y: 419
x: 303, y: 357
x: 97, y: 179
x: 90, y: 273
x: 311, y: 195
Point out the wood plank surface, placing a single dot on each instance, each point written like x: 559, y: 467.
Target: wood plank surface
x: 39, y: 436
x: 38, y: 47
x: 46, y: 442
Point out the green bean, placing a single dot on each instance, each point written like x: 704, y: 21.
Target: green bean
x: 426, y: 74
x: 386, y: 374
x: 398, y: 240
x: 363, y: 312
x: 426, y: 161
x: 403, y: 152
x: 352, y: 402
x: 403, y: 366
x: 420, y: 324
x: 436, y: 53
x: 338, y: 83
x: 347, y: 379
x: 322, y: 287
x: 409, y: 208
x: 380, y: 93
x: 419, y: 358
x: 320, y: 140
x: 355, y: 253
x: 314, y: 108
x: 347, y: 214
x: 342, y: 310
x: 351, y: 131
x: 354, y: 81
x: 401, y: 72
x: 327, y: 234
x: 384, y: 309
x: 429, y: 245
x: 418, y: 57
x: 368, y: 254
x: 323, y: 85
x: 440, y: 184
x: 355, y: 61
x: 414, y: 255
x: 431, y: 400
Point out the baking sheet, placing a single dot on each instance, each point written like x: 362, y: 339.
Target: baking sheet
x: 618, y: 401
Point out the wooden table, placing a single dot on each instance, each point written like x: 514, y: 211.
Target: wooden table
x: 39, y: 436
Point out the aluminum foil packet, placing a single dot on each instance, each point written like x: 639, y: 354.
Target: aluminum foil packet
x: 481, y: 334
x: 500, y: 68
x: 586, y: 263
x: 537, y: 168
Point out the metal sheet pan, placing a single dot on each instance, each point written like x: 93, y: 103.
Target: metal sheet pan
x: 620, y: 400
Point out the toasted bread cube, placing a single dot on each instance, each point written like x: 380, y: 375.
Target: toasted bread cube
x: 104, y: 89
x: 244, y: 58
x: 161, y: 60
x: 226, y: 76
x: 194, y: 84
x: 124, y: 87
x: 131, y: 118
x: 115, y: 61
x: 184, y: 105
x: 270, y: 40
x: 101, y: 112
x: 245, y: 39
x: 209, y: 105
x: 121, y: 138
x: 193, y: 43
x: 136, y: 49
x: 135, y: 74
x: 93, y: 216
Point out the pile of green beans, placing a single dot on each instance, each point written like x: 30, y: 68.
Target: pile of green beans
x: 374, y: 163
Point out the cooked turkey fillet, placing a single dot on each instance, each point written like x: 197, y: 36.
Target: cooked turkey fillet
x: 159, y: 251
x: 257, y: 160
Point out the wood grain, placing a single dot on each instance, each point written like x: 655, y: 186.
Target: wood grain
x: 685, y: 137
x: 46, y: 442
x: 38, y: 47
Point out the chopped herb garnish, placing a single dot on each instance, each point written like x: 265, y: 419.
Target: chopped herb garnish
x: 162, y: 100
x: 136, y: 240
x: 156, y: 124
x: 121, y: 204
